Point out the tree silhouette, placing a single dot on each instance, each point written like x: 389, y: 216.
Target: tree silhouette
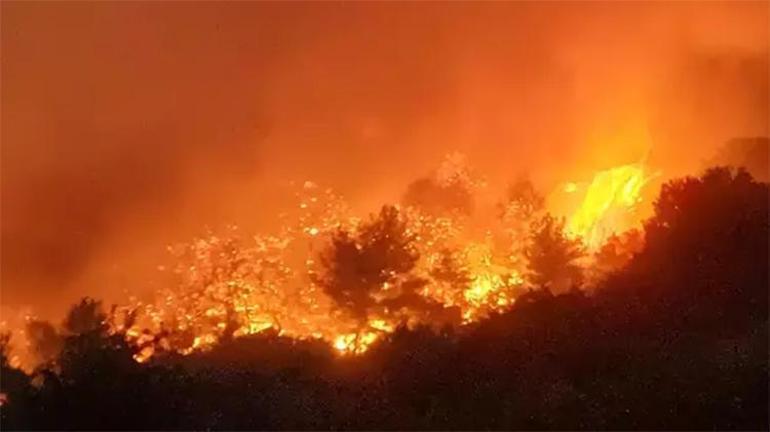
x: 522, y: 201
x: 15, y: 391
x: 708, y: 243
x: 551, y: 256
x: 86, y: 317
x: 449, y: 189
x: 517, y: 211
x: 436, y: 198
x: 449, y: 270
x: 617, y: 252
x: 357, y: 267
x: 96, y: 372
x: 44, y: 341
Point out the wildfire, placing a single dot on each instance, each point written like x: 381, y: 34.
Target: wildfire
x: 354, y: 343
x: 227, y: 285
x: 609, y: 205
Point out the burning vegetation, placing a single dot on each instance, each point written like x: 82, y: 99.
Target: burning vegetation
x: 326, y: 274
x: 409, y: 319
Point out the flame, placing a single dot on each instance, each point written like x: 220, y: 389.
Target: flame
x: 354, y: 343
x: 610, y: 204
x: 251, y: 286
x: 228, y: 285
x: 491, y: 285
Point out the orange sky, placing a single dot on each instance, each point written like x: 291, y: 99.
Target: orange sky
x: 129, y: 125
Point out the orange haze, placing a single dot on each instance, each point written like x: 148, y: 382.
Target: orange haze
x: 130, y: 125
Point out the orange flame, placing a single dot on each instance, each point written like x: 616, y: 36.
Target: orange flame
x: 610, y: 204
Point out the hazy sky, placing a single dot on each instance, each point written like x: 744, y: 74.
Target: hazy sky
x: 128, y: 125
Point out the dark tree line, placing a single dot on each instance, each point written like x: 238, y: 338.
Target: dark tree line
x: 676, y: 338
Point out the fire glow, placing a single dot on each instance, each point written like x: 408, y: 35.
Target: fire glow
x: 609, y: 204
x: 228, y: 285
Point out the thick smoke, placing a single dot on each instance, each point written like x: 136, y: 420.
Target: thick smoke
x: 127, y: 126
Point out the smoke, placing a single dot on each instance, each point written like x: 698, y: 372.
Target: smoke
x: 129, y: 126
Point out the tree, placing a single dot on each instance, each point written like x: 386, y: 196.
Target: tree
x: 97, y: 377
x: 358, y: 266
x: 449, y: 189
x: 15, y: 391
x: 44, y: 340
x: 89, y: 345
x: 616, y: 252
x: 436, y: 198
x: 551, y: 255
x: 449, y: 271
x: 449, y: 274
x: 521, y: 205
x: 522, y: 201
x: 86, y: 317
x: 707, y: 243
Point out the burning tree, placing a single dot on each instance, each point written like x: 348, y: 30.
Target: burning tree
x: 522, y: 204
x: 45, y: 342
x: 86, y: 317
x: 552, y: 255
x: 616, y: 252
x: 450, y: 271
x: 449, y: 189
x: 409, y: 265
x: 522, y: 201
x: 360, y: 268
